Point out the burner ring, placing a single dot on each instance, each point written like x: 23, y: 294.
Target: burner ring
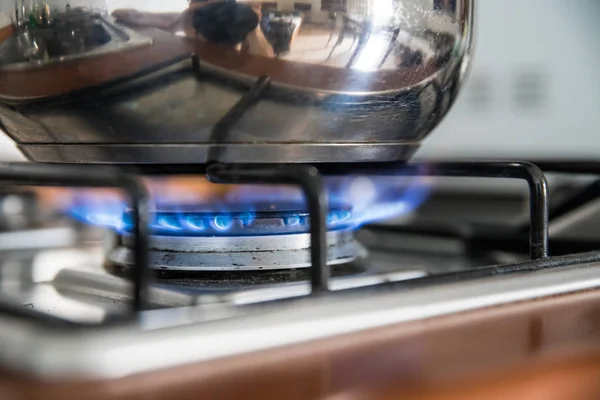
x: 238, y: 253
x: 237, y: 244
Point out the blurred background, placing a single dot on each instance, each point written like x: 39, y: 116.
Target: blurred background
x: 534, y: 87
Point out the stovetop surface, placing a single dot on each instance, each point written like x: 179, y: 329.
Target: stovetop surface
x: 67, y: 274
x: 70, y: 279
x: 458, y: 251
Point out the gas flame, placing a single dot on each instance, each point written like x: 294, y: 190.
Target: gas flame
x: 194, y: 206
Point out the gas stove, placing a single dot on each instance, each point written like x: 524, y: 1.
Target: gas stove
x: 202, y: 215
x: 197, y: 283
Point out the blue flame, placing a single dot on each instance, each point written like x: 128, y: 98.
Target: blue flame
x: 194, y: 224
x: 354, y: 201
x: 374, y: 200
x: 105, y: 212
x: 246, y: 218
x: 292, y: 221
x: 222, y: 223
x: 164, y: 222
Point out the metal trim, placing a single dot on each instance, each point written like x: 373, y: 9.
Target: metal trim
x: 156, y: 342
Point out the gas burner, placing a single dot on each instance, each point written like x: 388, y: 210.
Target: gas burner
x: 272, y: 237
x: 238, y: 253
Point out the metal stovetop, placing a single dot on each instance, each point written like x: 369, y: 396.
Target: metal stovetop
x: 63, y: 315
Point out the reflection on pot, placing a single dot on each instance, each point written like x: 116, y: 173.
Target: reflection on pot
x: 346, y: 81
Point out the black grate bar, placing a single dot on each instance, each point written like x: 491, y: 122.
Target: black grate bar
x: 311, y: 182
x: 95, y: 176
x: 536, y: 180
x: 221, y: 130
x: 538, y: 192
x: 589, y: 167
x: 584, y: 196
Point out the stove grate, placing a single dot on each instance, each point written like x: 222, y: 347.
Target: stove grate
x: 309, y: 178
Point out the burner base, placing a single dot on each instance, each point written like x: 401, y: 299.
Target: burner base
x: 206, y: 282
x: 238, y: 253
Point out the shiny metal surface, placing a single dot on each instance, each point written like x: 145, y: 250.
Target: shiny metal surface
x: 239, y: 253
x: 363, y: 82
x: 72, y: 283
x: 38, y: 238
x: 173, y: 337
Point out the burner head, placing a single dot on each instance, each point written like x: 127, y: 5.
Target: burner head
x: 250, y: 227
x: 274, y: 236
x: 237, y: 253
x: 266, y: 219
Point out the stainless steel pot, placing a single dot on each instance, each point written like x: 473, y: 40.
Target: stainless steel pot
x: 313, y: 81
